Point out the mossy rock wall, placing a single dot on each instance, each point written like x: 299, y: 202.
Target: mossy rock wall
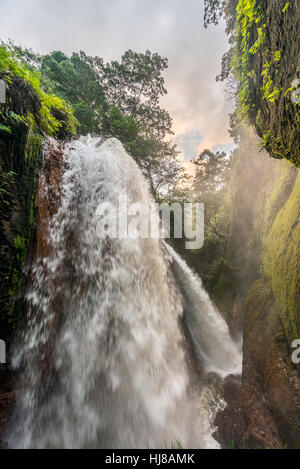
x: 252, y: 183
x: 266, y: 62
x: 265, y: 254
x: 23, y: 127
x: 265, y: 228
x: 282, y: 262
x: 260, y: 189
x: 270, y: 385
x: 20, y: 157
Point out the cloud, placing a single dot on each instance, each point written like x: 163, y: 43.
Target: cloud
x: 189, y: 142
x: 172, y: 28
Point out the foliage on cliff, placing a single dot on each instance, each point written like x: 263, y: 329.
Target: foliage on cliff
x: 52, y: 114
x: 264, y: 60
x: 28, y: 115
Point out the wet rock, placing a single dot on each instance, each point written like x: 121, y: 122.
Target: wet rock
x: 232, y: 422
x: 7, y: 400
x: 271, y: 382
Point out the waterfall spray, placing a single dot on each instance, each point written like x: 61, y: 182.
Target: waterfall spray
x: 103, y: 358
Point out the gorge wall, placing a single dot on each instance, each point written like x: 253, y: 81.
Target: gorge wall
x: 25, y: 118
x: 263, y: 248
x: 264, y: 254
x: 28, y: 115
x: 264, y: 59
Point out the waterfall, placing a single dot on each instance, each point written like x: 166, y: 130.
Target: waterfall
x: 208, y: 330
x: 103, y: 360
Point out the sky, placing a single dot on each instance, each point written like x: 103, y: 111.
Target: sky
x: 107, y: 28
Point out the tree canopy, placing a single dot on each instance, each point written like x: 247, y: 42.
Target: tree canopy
x: 213, y: 10
x: 120, y: 99
x: 210, y: 184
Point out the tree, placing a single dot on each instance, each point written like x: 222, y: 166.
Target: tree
x: 28, y: 57
x: 213, y: 11
x: 212, y: 172
x: 77, y: 80
x: 159, y: 165
x: 134, y: 87
x: 118, y: 99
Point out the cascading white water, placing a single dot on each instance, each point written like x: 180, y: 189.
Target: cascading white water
x: 118, y: 376
x: 209, y: 331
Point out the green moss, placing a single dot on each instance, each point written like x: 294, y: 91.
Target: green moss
x: 283, y: 187
x: 219, y: 281
x: 50, y: 105
x: 262, y: 291
x: 282, y: 262
x: 264, y: 64
x: 4, y: 128
x: 25, y: 119
x: 270, y: 92
x: 286, y: 7
x: 249, y: 38
x: 33, y: 146
x: 17, y: 218
x: 259, y: 42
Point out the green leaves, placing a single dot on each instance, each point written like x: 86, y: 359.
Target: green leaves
x: 211, y: 177
x: 4, y: 128
x: 135, y: 86
x: 13, y: 64
x: 286, y: 6
x: 125, y: 128
x: 77, y: 79
x: 213, y: 11
x: 118, y: 99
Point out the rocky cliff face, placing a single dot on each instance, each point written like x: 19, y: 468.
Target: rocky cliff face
x: 28, y: 116
x: 271, y: 382
x: 22, y: 137
x: 45, y: 204
x: 265, y: 227
x: 276, y: 65
x: 266, y: 63
x: 20, y: 159
x: 264, y: 251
